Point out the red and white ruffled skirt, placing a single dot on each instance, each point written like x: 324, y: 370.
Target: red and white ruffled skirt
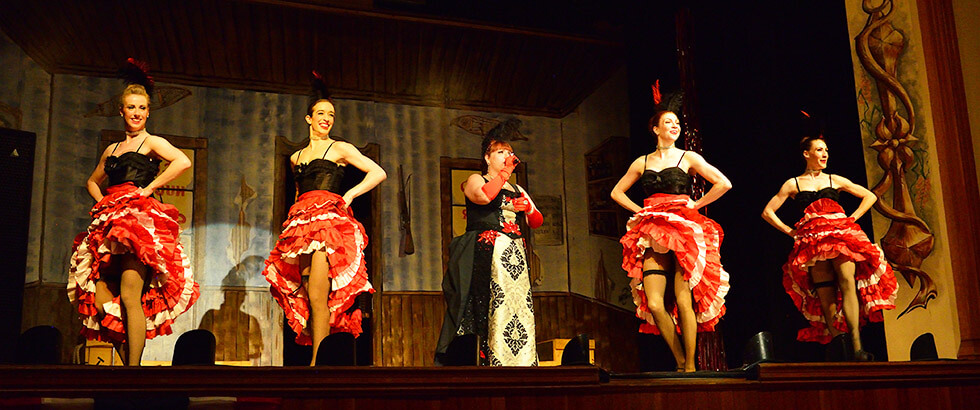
x: 125, y: 222
x: 666, y: 224
x: 318, y: 221
x: 825, y: 233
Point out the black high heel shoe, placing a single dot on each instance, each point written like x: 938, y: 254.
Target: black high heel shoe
x: 863, y: 356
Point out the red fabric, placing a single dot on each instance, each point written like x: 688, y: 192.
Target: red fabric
x: 125, y: 222
x: 534, y: 218
x: 667, y: 222
x: 318, y: 221
x: 825, y: 233
x: 521, y: 203
x: 492, y: 187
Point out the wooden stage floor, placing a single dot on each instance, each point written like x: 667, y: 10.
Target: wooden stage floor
x: 893, y: 385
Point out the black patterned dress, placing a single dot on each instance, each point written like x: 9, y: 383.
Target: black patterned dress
x: 488, y: 288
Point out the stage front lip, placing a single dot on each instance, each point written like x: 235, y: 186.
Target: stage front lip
x: 89, y: 381
x: 428, y: 382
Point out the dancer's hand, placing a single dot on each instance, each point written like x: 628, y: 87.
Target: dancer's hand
x: 521, y: 204
x: 510, y: 164
x: 348, y: 198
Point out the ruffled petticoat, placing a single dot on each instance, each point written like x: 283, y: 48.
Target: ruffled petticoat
x: 825, y: 233
x: 318, y: 221
x: 125, y: 222
x: 666, y: 224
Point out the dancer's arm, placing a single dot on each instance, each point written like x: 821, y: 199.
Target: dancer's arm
x: 374, y: 174
x: 618, y: 193
x: 769, y: 213
x: 719, y: 182
x: 94, y: 183
x: 531, y: 213
x: 178, y: 163
x: 481, y: 192
x: 868, y: 198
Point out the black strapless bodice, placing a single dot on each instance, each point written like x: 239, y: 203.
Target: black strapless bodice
x: 671, y: 180
x: 805, y: 198
x: 131, y: 167
x: 318, y: 174
x: 490, y: 217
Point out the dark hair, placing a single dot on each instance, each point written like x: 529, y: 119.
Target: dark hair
x: 315, y: 101
x: 807, y: 142
x: 655, y: 120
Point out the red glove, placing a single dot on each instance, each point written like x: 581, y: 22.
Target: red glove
x: 521, y: 204
x: 492, y: 188
x: 534, y: 218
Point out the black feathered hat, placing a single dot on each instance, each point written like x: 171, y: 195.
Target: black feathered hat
x: 318, y: 91
x: 506, y: 131
x: 137, y: 72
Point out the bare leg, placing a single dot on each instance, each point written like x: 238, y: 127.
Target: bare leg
x: 131, y: 285
x: 654, y: 287
x: 688, y: 322
x: 822, y: 272
x: 318, y: 288
x: 848, y: 288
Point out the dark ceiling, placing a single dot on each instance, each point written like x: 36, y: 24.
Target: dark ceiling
x: 507, y: 57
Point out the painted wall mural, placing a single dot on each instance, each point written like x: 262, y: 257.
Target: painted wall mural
x: 909, y: 239
x: 896, y: 122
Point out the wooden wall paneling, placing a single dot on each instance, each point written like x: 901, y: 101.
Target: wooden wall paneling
x: 182, y: 32
x: 435, y: 57
x: 60, y: 28
x: 517, y: 52
x: 213, y: 36
x: 398, y: 331
x: 275, y: 21
x: 954, y: 147
x: 258, y: 39
x: 169, y: 58
x: 235, y: 39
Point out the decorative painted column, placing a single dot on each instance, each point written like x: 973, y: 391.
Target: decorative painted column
x: 904, y: 65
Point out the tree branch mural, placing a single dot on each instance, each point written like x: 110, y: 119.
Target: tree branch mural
x: 909, y: 239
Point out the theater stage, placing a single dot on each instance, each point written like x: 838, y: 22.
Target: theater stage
x: 938, y: 384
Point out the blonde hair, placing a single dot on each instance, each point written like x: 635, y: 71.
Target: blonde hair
x: 133, y: 89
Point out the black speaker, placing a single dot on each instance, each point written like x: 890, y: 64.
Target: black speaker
x: 39, y: 345
x: 338, y: 349
x: 195, y: 347
x: 758, y: 350
x: 576, y: 352
x: 924, y: 348
x: 17, y: 172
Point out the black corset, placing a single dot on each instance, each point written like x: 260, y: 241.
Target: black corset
x: 805, y: 198
x: 318, y: 174
x: 131, y: 167
x: 671, y: 180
